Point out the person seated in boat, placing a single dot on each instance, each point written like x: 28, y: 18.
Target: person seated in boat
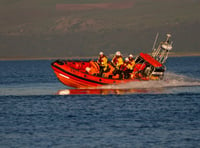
x: 132, y: 61
x: 126, y: 68
x: 117, y: 61
x: 103, y: 63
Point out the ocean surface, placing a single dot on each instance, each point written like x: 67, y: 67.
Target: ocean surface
x: 36, y: 110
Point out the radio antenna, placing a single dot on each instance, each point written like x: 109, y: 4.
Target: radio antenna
x: 154, y: 44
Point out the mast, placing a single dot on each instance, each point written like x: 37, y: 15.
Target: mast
x: 154, y: 44
x: 162, y: 52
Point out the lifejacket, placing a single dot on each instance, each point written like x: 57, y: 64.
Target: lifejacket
x: 126, y: 66
x: 129, y: 66
x: 132, y: 62
x: 117, y: 61
x: 110, y: 72
x: 103, y: 61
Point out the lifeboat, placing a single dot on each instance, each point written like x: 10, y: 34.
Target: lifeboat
x: 85, y: 73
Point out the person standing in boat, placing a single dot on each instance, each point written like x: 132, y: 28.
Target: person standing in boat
x: 103, y: 63
x: 117, y: 61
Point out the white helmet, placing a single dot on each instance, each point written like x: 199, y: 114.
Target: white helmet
x: 118, y: 53
x: 126, y: 59
x: 130, y: 56
x: 101, y: 53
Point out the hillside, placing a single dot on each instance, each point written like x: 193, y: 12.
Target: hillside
x: 59, y: 28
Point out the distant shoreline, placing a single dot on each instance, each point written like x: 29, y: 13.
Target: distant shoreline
x: 184, y: 55
x: 92, y: 57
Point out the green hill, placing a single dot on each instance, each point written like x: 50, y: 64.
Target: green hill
x: 59, y: 28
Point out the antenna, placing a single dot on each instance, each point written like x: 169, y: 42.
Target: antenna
x: 154, y: 44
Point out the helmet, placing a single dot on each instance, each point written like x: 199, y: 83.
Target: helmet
x: 118, y: 53
x: 126, y: 59
x: 130, y: 56
x: 100, y: 53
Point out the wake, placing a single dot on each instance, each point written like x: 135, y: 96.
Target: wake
x: 170, y: 80
x: 172, y: 83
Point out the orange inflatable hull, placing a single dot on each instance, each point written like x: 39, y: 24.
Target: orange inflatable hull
x: 73, y: 74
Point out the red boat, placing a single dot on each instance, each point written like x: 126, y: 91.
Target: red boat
x: 74, y: 73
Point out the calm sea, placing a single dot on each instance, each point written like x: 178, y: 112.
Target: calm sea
x: 36, y: 110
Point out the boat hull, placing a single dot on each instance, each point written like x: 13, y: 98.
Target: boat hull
x: 76, y: 78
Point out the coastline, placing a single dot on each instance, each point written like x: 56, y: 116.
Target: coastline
x: 91, y: 57
x: 184, y: 54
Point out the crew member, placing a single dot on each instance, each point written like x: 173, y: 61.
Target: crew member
x: 117, y: 61
x: 131, y: 61
x: 126, y: 68
x: 103, y: 63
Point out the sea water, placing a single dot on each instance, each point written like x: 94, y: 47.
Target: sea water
x: 36, y: 110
